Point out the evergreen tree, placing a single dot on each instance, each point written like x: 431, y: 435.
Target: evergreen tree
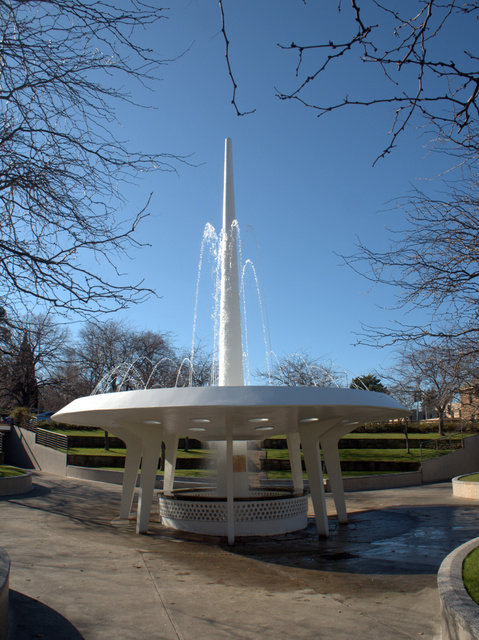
x: 24, y: 390
x: 369, y: 382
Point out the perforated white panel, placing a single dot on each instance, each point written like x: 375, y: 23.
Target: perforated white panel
x: 288, y: 512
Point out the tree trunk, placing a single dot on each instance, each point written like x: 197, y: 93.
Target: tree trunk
x: 441, y: 423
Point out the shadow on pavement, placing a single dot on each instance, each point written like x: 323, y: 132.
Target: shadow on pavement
x: 33, y: 619
x: 37, y: 491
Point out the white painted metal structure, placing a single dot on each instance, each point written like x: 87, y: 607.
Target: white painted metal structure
x: 232, y: 414
x: 306, y: 415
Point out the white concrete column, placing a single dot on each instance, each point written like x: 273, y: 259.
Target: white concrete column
x: 134, y: 450
x: 230, y: 486
x: 171, y: 452
x: 230, y: 342
x: 329, y: 445
x: 312, y: 459
x: 294, y: 450
x: 230, y: 347
x: 152, y: 439
x: 239, y: 469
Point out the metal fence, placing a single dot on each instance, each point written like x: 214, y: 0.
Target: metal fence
x: 444, y: 444
x: 30, y: 425
x: 50, y: 439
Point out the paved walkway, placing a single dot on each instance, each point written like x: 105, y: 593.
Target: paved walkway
x: 74, y: 575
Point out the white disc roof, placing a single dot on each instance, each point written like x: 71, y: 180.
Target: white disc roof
x: 254, y: 412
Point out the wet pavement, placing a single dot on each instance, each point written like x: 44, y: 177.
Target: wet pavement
x: 75, y: 575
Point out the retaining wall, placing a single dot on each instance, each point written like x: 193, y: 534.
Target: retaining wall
x: 22, y: 451
x: 459, y: 612
x: 383, y: 481
x: 453, y: 464
x: 116, y: 477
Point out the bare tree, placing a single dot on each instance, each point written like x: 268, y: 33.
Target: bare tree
x: 412, y: 58
x: 196, y: 371
x: 67, y: 383
x: 124, y: 358
x: 436, y: 370
x: 433, y: 265
x: 62, y: 68
x: 32, y: 349
x: 416, y: 65
x: 301, y: 370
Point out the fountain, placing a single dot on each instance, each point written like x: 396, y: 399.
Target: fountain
x: 231, y: 414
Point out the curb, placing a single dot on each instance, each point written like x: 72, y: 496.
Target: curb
x: 4, y: 582
x: 459, y: 612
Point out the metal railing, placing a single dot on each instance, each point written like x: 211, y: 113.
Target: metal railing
x: 30, y: 425
x: 444, y: 444
x: 50, y: 439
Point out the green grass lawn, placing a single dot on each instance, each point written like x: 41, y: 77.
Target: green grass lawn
x: 9, y: 472
x: 286, y: 475
x: 190, y: 473
x: 400, y: 435
x: 470, y: 574
x: 473, y: 477
x: 97, y: 451
x: 76, y: 432
x: 363, y: 436
x: 388, y: 455
x: 121, y: 451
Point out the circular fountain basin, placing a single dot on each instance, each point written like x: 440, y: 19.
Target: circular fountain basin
x: 248, y: 413
x: 263, y: 513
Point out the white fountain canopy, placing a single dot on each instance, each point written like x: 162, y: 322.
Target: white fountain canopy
x: 231, y: 414
x: 250, y: 413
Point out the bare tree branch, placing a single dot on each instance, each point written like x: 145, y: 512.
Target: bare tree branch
x: 62, y: 164
x: 432, y: 264
x: 227, y: 56
x: 408, y: 46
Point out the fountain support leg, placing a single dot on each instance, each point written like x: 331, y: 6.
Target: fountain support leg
x: 329, y: 445
x: 294, y: 450
x: 171, y: 446
x: 230, y: 486
x: 134, y: 449
x: 312, y: 459
x: 149, y: 470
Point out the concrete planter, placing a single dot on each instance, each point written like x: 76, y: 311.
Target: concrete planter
x: 459, y: 612
x: 464, y: 489
x: 16, y: 484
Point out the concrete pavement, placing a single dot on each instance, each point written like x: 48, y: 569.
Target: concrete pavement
x: 75, y: 575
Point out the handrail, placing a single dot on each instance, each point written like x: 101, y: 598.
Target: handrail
x: 436, y: 442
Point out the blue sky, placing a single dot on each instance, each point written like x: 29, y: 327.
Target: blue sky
x: 306, y: 185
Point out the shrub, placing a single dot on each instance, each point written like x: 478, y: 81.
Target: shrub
x: 21, y: 416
